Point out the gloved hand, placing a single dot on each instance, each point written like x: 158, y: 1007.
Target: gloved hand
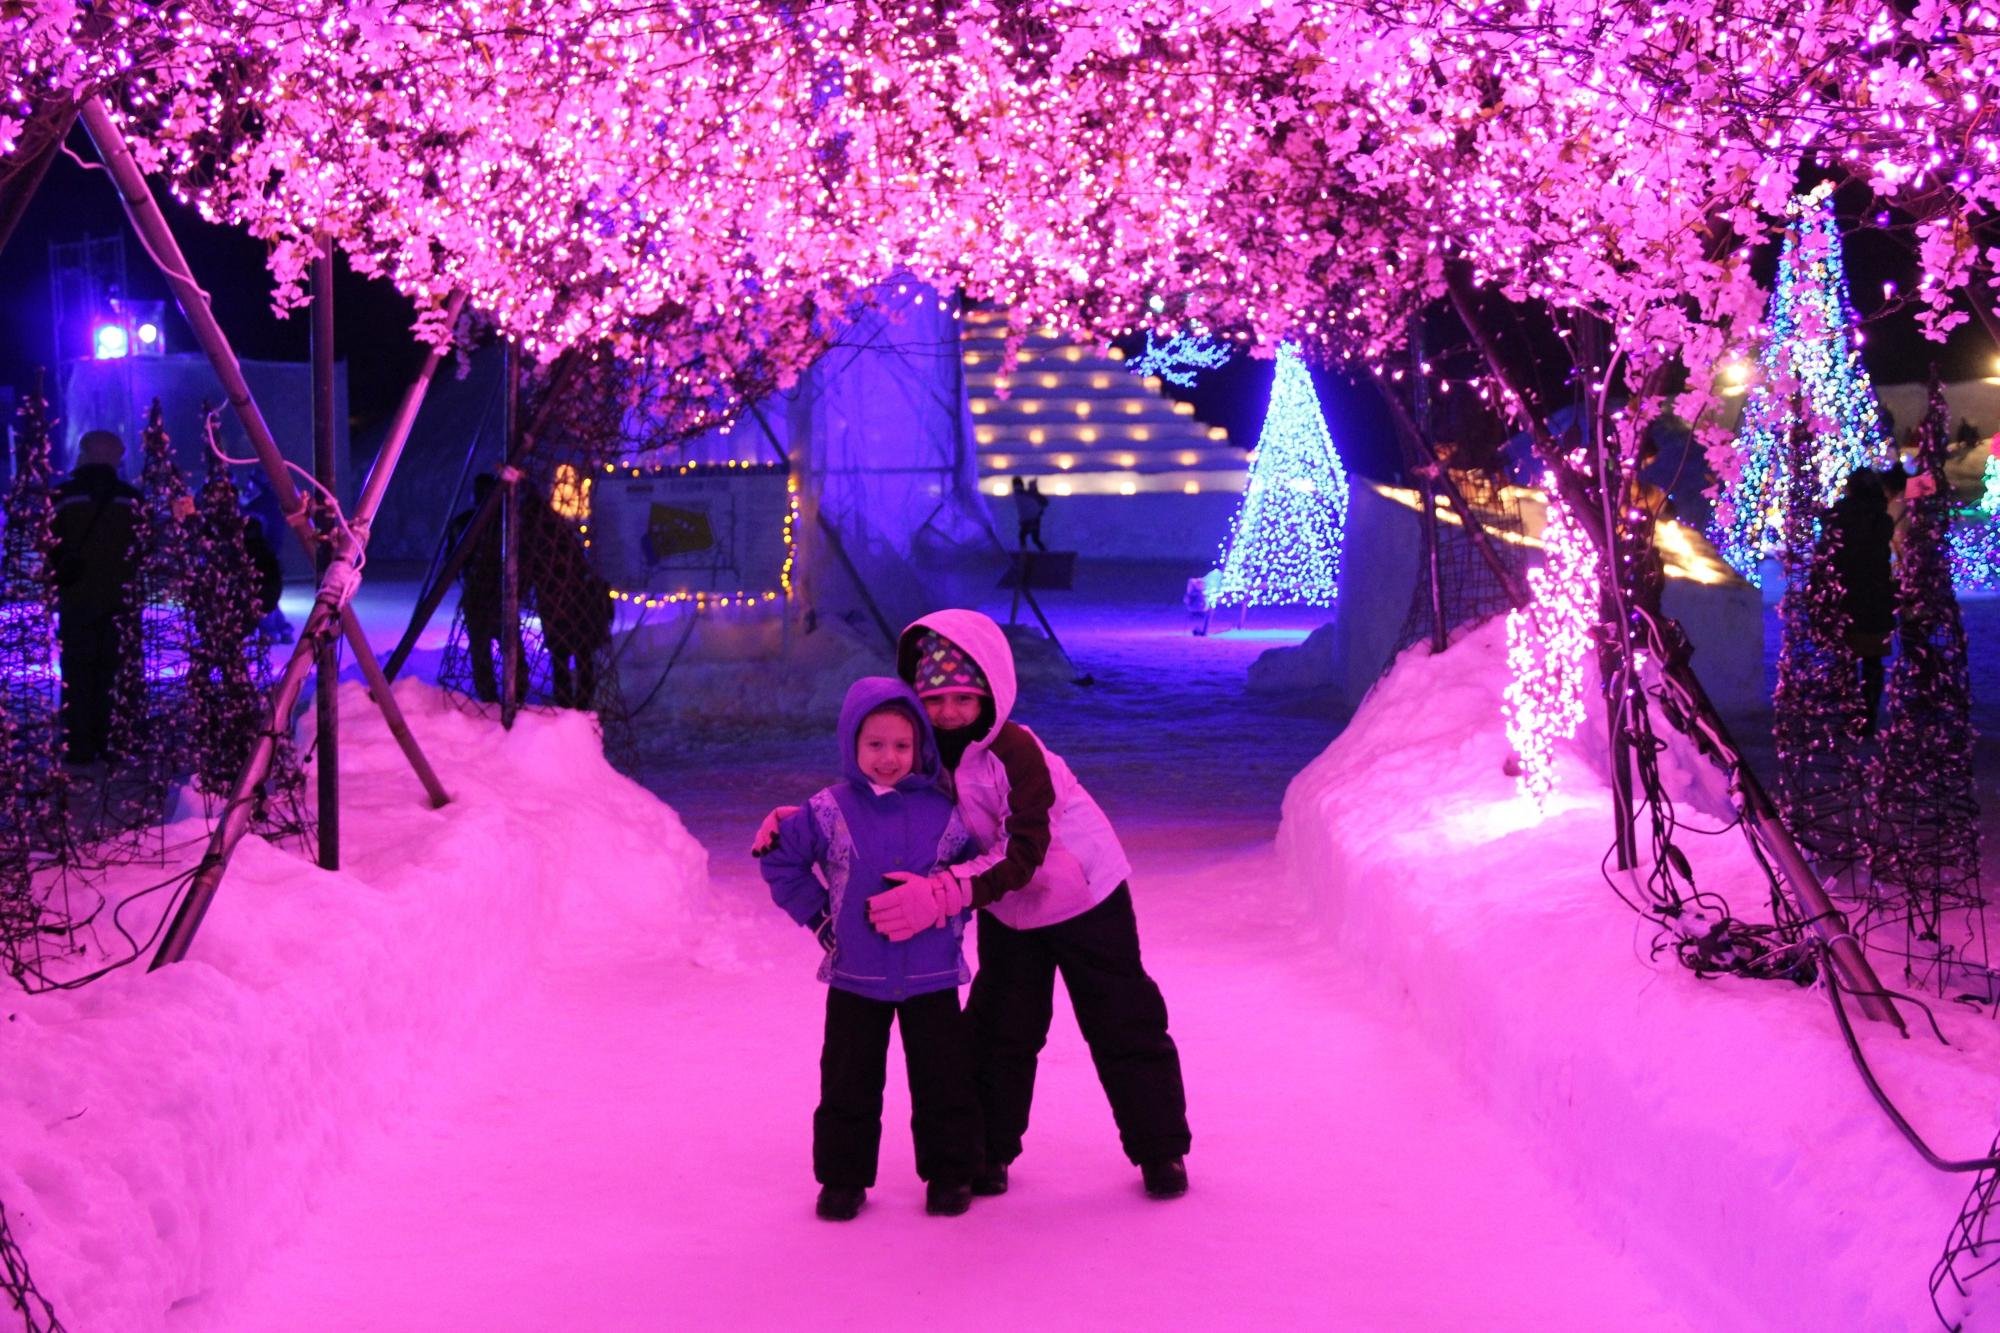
x: 954, y: 894
x: 822, y: 928
x: 766, y: 839
x: 911, y: 906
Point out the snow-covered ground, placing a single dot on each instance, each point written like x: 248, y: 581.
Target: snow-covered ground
x: 1717, y: 1129
x: 532, y: 1068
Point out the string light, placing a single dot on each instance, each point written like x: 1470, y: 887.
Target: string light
x: 1811, y: 375
x: 1549, y: 646
x: 709, y: 599
x: 1284, y: 545
x: 1178, y: 358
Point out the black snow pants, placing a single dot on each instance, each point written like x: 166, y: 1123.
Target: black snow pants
x: 1118, y: 1008
x: 853, y: 1062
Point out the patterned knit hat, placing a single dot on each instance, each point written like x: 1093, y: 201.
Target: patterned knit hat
x: 943, y: 666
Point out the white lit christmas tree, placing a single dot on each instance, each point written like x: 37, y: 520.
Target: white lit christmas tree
x: 1809, y: 373
x: 1989, y: 495
x: 1284, y: 545
x: 1549, y: 650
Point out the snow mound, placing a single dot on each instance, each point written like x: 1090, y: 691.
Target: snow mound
x: 1716, y: 1130
x: 162, y: 1128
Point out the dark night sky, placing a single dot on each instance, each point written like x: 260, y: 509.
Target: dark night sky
x: 373, y: 321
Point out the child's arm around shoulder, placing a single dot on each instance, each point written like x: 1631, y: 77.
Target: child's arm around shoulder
x: 1029, y: 824
x: 788, y: 867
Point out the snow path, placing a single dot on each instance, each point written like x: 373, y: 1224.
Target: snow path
x: 628, y: 1145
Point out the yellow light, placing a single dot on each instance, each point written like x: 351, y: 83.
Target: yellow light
x: 999, y: 460
x: 1083, y: 409
x: 1127, y: 488
x: 1140, y: 433
x: 985, y: 434
x: 1038, y: 436
x: 1102, y: 382
x: 1117, y: 355
x: 1088, y: 435
x: 1128, y: 460
x: 972, y: 358
x: 1029, y: 409
x: 1051, y: 381
x: 980, y: 407
x: 1065, y: 462
x: 1187, y: 458
x: 1218, y: 433
x: 1191, y: 488
x: 1000, y: 488
x: 1135, y: 407
x: 1183, y: 409
x: 1062, y: 488
x: 1073, y: 353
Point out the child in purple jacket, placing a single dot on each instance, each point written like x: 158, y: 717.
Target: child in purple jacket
x: 886, y: 815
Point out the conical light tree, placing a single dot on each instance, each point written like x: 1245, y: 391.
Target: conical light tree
x: 1810, y: 385
x: 1284, y: 544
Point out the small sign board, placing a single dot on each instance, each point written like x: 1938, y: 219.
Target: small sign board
x: 703, y: 530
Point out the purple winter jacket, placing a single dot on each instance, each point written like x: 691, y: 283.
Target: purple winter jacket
x: 854, y: 837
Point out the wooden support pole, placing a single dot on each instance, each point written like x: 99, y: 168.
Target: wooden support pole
x: 1703, y: 723
x: 326, y: 692
x: 321, y: 624
x: 392, y: 712
x: 151, y: 224
x: 377, y: 485
x: 565, y: 366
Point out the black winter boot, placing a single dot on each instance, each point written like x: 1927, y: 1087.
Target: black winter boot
x: 991, y: 1181
x: 942, y: 1200
x: 1165, y: 1180
x: 839, y: 1203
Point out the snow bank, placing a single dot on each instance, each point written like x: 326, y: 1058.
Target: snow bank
x: 1717, y: 1130
x: 162, y: 1128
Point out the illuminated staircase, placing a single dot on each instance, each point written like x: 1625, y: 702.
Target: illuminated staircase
x: 1081, y: 424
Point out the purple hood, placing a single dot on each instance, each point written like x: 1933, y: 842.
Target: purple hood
x: 866, y: 695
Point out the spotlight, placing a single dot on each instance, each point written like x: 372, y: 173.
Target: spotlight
x: 149, y: 334
x: 109, y: 342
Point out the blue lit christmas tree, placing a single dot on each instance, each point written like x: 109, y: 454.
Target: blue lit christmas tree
x: 1810, y: 375
x: 1284, y: 545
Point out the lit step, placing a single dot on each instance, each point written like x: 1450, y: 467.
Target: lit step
x: 1177, y: 434
x: 1057, y: 459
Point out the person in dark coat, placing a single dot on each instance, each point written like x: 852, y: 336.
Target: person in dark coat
x: 94, y: 572
x: 263, y: 531
x: 1868, y: 588
x: 479, y: 598
x: 574, y: 604
x: 1029, y: 506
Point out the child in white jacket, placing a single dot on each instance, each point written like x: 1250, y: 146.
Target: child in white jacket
x: 1052, y: 883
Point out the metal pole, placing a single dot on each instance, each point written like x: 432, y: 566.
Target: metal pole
x: 326, y: 691
x: 1704, y: 724
x: 152, y: 227
x: 1588, y: 371
x: 1420, y: 402
x: 510, y: 551
x: 482, y: 518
